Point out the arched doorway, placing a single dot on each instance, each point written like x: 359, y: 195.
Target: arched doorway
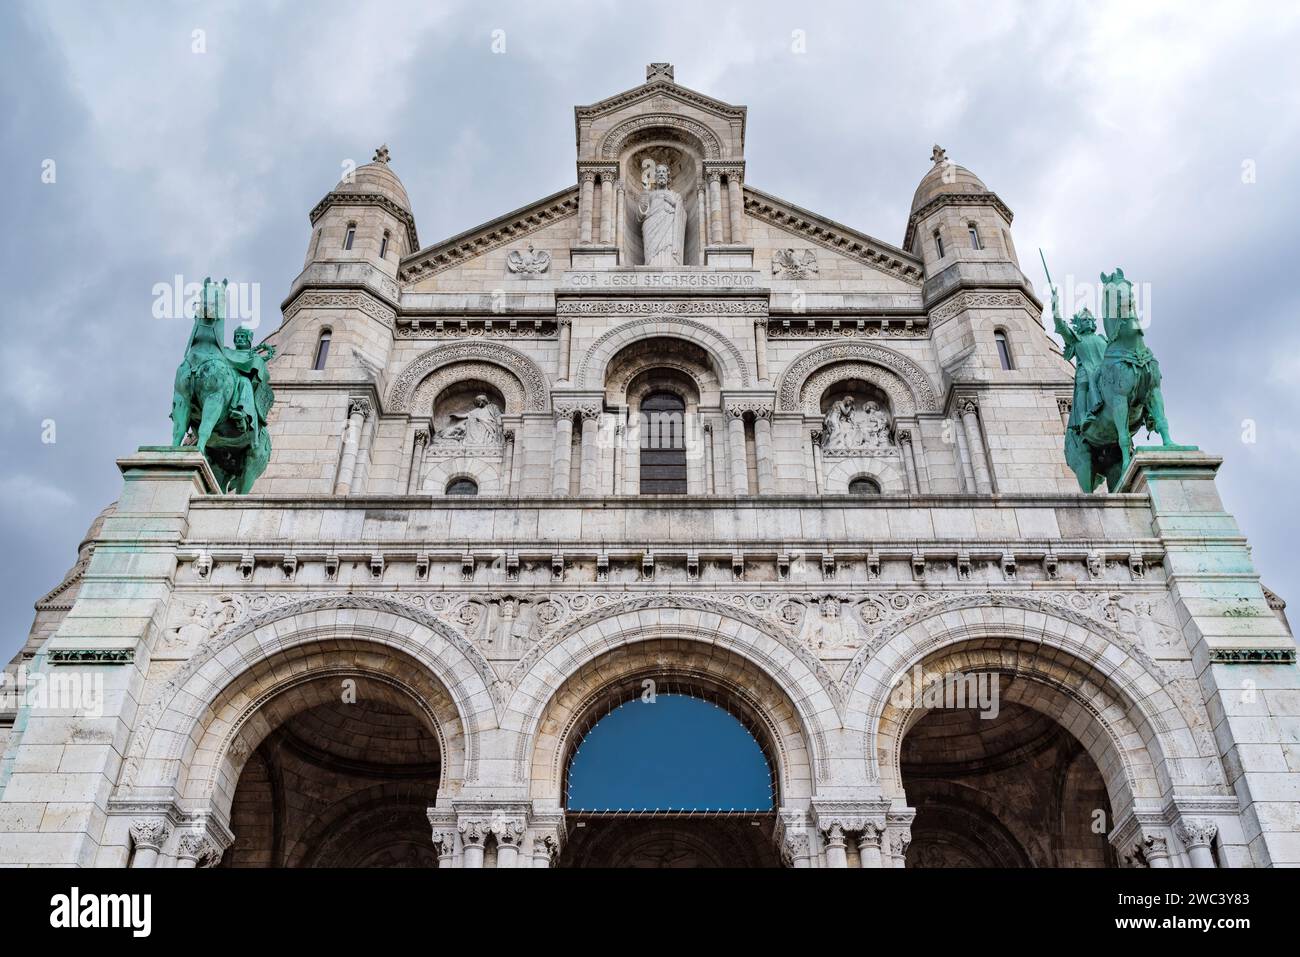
x: 1003, y: 787
x: 338, y: 783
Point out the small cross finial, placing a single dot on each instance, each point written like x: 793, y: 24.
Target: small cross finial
x: 939, y: 155
x: 659, y: 71
x: 381, y: 155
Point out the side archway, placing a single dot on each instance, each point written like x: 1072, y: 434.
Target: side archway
x: 801, y: 384
x: 189, y: 742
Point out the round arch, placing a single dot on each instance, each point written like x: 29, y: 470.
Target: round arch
x: 728, y: 360
x: 1116, y: 704
x: 186, y: 740
x: 907, y: 384
x: 701, y: 645
x: 525, y: 373
x: 683, y: 127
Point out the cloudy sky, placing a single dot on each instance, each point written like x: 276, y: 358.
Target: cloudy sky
x: 1161, y: 137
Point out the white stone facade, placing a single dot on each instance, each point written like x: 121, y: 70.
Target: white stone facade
x: 795, y: 583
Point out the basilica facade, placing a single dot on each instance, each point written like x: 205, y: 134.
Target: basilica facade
x: 661, y: 429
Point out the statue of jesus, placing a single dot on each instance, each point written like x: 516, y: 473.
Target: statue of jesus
x: 663, y: 222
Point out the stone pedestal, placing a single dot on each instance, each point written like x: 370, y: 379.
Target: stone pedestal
x: 1243, y: 654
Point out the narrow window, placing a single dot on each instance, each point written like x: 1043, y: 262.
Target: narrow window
x: 383, y: 245
x: 864, y: 486
x: 462, y: 486
x: 663, y: 444
x: 938, y: 243
x: 322, y: 350
x: 1004, y: 349
x: 974, y: 236
x: 350, y: 236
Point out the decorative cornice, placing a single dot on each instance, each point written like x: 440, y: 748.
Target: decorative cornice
x: 475, y: 242
x: 91, y: 656
x: 1253, y: 656
x: 980, y: 300
x: 954, y: 199
x: 655, y: 87
x: 345, y: 198
x: 834, y: 236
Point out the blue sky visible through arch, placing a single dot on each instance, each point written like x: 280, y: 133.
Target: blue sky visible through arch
x: 676, y: 753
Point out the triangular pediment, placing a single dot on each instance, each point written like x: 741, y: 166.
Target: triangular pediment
x: 828, y: 234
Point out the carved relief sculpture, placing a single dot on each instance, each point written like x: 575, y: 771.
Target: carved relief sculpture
x: 663, y: 220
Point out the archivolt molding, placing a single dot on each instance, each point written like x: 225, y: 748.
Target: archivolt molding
x: 1157, y: 697
x: 530, y: 377
x: 469, y: 694
x: 791, y: 386
x: 613, y: 140
x: 733, y: 368
x: 901, y: 399
x: 505, y: 381
x: 737, y: 630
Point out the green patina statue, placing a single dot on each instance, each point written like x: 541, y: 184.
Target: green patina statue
x: 1116, y: 385
x: 222, y: 396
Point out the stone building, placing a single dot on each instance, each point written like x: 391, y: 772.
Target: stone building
x: 660, y: 426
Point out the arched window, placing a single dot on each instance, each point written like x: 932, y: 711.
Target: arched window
x: 974, y: 236
x: 1004, y: 349
x: 322, y: 349
x: 938, y: 244
x: 383, y: 245
x: 669, y: 751
x: 864, y: 485
x: 462, y: 486
x: 350, y: 236
x: 663, y: 444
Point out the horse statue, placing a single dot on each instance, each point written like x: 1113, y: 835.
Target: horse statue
x: 1116, y: 386
x: 222, y: 396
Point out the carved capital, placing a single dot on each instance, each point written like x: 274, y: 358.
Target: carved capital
x: 509, y: 832
x: 587, y: 176
x: 196, y: 846
x: 150, y: 833
x: 473, y: 833
x: 904, y: 436
x: 360, y: 405
x: 1064, y: 404
x: 968, y: 405
x: 444, y: 843
x: 1196, y: 831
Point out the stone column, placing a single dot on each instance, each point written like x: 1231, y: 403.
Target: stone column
x: 416, y: 475
x: 1197, y: 833
x: 736, y: 207
x: 566, y: 340
x: 149, y: 835
x: 702, y: 214
x: 546, y: 848
x: 473, y: 835
x: 620, y: 434
x: 563, y: 451
x: 869, y: 846
x: 710, y: 487
x: 969, y: 409
x: 763, y: 451
x: 715, y: 207
x: 760, y: 348
x: 736, y: 451
x: 817, y: 461
x: 1156, y: 851
x: 1063, y: 406
x: 909, y: 462
x: 509, y: 835
x: 588, y: 474
x: 358, y: 409
x: 620, y: 213
x: 900, y: 838
x: 588, y: 179
x: 632, y: 453
x: 836, y: 856
x: 607, y: 209
x: 444, y: 845
x: 195, y: 850
x: 508, y: 461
